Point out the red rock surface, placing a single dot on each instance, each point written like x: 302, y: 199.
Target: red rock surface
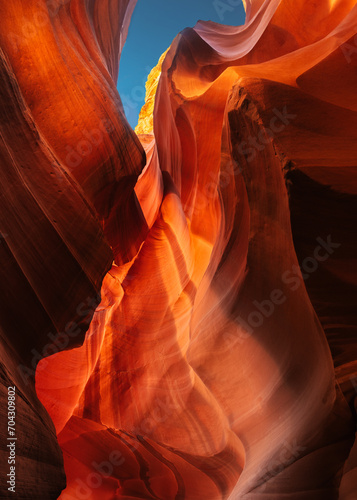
x: 213, y: 366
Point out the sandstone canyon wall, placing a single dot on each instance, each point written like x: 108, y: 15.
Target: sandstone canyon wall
x: 178, y: 311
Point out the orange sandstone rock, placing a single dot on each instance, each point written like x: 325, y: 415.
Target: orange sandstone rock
x: 221, y: 360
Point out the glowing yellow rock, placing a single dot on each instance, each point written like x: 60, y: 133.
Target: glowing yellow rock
x: 145, y: 123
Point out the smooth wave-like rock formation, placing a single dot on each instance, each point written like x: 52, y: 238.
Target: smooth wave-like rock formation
x: 220, y: 356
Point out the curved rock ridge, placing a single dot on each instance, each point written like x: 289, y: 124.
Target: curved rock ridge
x: 220, y: 362
x: 73, y: 91
x: 61, y: 123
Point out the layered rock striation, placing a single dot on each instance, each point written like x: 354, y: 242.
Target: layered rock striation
x: 201, y: 276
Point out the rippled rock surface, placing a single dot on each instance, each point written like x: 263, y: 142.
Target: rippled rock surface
x: 191, y: 289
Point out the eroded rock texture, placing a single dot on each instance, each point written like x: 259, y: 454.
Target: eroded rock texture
x: 213, y: 366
